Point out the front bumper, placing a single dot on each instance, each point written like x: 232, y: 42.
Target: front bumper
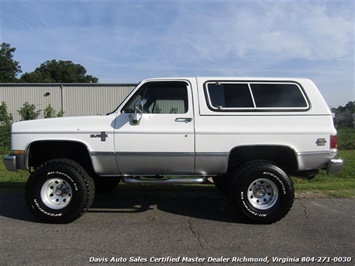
x: 14, y: 162
x: 10, y: 162
x: 335, y: 166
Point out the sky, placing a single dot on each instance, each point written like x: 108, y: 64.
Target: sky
x: 127, y: 41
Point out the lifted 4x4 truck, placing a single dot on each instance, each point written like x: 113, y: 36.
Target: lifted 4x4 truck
x: 249, y: 134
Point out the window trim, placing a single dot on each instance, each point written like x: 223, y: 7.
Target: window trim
x: 255, y: 108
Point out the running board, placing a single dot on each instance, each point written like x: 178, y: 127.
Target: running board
x: 171, y: 181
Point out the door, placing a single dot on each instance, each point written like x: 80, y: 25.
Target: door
x: 160, y: 140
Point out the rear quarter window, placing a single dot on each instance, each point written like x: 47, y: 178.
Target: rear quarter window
x: 255, y: 96
x: 278, y: 96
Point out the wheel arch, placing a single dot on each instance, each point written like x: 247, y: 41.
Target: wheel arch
x: 283, y: 156
x: 41, y: 151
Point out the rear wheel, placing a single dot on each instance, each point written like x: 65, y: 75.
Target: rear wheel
x: 59, y: 191
x: 261, y: 192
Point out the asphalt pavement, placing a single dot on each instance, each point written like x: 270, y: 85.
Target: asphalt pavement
x: 172, y: 227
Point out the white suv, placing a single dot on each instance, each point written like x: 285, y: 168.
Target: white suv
x: 249, y: 134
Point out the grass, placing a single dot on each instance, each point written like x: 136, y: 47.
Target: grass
x: 346, y: 138
x: 341, y: 185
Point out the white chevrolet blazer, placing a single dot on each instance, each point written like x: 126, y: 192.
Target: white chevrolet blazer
x: 249, y: 134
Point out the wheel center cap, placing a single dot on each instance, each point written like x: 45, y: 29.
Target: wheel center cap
x: 259, y: 191
x: 61, y: 190
x: 58, y: 192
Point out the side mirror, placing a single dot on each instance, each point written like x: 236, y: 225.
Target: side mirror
x: 136, y: 117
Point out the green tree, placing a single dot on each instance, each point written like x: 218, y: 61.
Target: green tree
x: 9, y: 68
x: 58, y: 72
x: 28, y: 112
x: 5, y: 127
x: 5, y: 117
x: 34, y: 77
x: 350, y: 106
x: 50, y: 112
x: 60, y: 113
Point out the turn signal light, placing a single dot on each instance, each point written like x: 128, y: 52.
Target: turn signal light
x: 18, y: 152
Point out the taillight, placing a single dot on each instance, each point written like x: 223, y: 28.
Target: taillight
x: 333, y: 141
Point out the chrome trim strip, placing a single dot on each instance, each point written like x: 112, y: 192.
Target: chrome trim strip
x: 154, y: 133
x: 179, y: 154
x: 236, y: 133
x: 163, y: 154
x: 60, y: 132
x: 102, y: 153
x: 313, y: 153
x: 212, y: 154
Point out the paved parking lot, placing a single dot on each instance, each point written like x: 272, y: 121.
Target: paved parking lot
x: 176, y: 228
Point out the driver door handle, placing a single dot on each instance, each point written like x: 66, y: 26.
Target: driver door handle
x: 183, y: 119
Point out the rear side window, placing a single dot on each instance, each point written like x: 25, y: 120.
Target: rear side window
x: 255, y: 96
x: 230, y: 96
x: 278, y: 95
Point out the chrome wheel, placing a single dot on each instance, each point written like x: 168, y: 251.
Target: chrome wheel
x: 262, y: 194
x: 56, y: 193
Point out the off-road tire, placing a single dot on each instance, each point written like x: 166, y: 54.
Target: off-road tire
x: 261, y: 192
x: 59, y: 191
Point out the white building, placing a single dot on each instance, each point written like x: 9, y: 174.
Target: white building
x: 75, y: 99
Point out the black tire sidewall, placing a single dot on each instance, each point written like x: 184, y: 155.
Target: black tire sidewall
x: 73, y: 176
x: 270, y: 172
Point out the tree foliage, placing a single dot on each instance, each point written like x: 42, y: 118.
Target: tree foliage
x: 345, y: 115
x: 349, y: 107
x: 28, y: 112
x: 5, y: 127
x: 5, y: 117
x: 50, y: 112
x: 9, y: 68
x: 58, y: 72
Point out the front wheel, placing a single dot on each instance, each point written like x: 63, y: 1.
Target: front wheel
x: 261, y: 192
x: 59, y: 191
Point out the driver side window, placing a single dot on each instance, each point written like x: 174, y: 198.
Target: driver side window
x: 169, y: 97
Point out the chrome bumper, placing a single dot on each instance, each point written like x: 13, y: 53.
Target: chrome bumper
x: 335, y: 166
x: 10, y: 162
x: 15, y: 162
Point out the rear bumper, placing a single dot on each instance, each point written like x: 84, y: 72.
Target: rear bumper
x: 335, y: 166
